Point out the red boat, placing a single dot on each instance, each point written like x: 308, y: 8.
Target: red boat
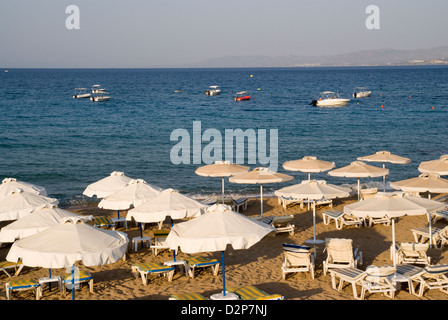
x: 240, y: 96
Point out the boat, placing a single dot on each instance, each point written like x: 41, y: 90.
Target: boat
x: 330, y: 99
x: 96, y: 88
x: 81, y: 93
x: 362, y: 92
x: 213, y: 91
x: 102, y: 95
x: 241, y: 96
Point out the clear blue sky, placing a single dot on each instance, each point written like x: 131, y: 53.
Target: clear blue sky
x: 148, y: 33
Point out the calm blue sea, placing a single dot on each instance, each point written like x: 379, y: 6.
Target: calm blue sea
x: 50, y: 139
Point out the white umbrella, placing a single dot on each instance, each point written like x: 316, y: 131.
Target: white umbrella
x: 107, y: 186
x: 11, y: 184
x: 169, y: 203
x: 20, y: 203
x: 260, y: 176
x: 393, y: 204
x: 134, y: 194
x: 215, y: 230
x: 439, y: 166
x: 71, y: 240
x: 314, y: 190
x: 37, y: 221
x: 221, y: 169
x: 425, y: 182
x: 385, y: 156
x: 359, y: 169
x: 308, y: 164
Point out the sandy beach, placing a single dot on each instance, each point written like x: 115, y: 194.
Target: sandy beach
x: 260, y: 265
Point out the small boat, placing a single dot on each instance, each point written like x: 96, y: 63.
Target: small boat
x: 96, y: 88
x: 330, y: 99
x: 81, y: 93
x: 241, y: 96
x: 362, y: 92
x: 213, y: 91
x: 102, y: 95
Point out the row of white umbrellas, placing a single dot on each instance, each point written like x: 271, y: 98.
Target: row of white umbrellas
x: 180, y: 231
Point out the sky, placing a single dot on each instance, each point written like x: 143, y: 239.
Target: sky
x: 159, y: 33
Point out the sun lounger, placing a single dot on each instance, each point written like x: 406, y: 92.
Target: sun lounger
x: 285, y: 201
x: 411, y: 272
x: 280, y: 223
x: 188, y: 296
x: 354, y: 276
x: 146, y: 269
x: 297, y: 258
x: 439, y: 237
x: 81, y: 276
x: 432, y: 277
x: 6, y: 265
x: 253, y: 293
x: 104, y: 222
x: 209, y: 201
x: 341, y: 254
x: 201, y: 262
x: 378, y: 280
x: 368, y: 193
x: 239, y: 202
x: 159, y: 241
x: 441, y: 214
x: 340, y: 219
x: 24, y: 284
x: 412, y: 253
x: 382, y: 220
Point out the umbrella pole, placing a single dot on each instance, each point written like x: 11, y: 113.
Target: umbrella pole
x: 314, y: 220
x: 223, y: 275
x: 261, y: 199
x: 49, y: 276
x: 359, y: 190
x: 309, y: 176
x: 384, y: 178
x: 430, y: 230
x: 141, y: 233
x: 73, y: 282
x: 174, y: 251
x: 393, y: 243
x: 222, y: 190
x: 118, y: 214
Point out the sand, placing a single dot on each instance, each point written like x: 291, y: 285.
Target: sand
x: 259, y: 265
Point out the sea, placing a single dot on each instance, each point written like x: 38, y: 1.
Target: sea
x: 50, y: 139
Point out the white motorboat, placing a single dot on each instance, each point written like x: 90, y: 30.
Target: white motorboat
x: 330, y: 99
x: 213, y: 91
x: 102, y: 95
x: 362, y: 92
x: 81, y: 93
x: 96, y: 88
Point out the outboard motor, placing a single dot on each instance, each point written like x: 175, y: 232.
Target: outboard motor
x: 313, y: 103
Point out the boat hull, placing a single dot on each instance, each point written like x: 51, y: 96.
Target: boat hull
x: 82, y: 96
x: 242, y: 98
x: 363, y: 94
x: 332, y: 102
x: 99, y: 99
x: 212, y: 92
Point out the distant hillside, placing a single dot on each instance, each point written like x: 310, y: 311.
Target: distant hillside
x: 380, y: 57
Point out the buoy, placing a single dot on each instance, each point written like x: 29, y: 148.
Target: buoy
x: 432, y: 108
x: 409, y: 96
x: 251, y: 75
x: 258, y: 89
x: 382, y: 106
